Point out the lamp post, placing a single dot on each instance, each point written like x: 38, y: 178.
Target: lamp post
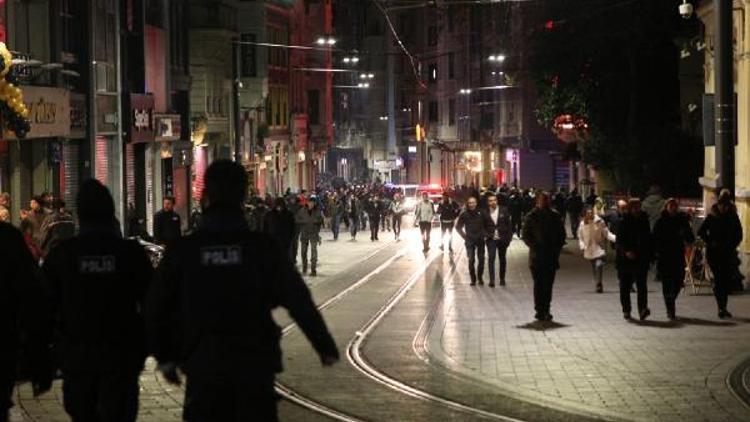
x: 724, y: 95
x: 236, y: 85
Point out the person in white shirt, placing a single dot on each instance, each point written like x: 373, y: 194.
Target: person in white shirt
x: 593, y: 236
x: 499, y: 236
x: 423, y: 216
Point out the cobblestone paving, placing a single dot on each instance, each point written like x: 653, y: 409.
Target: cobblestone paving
x: 591, y: 360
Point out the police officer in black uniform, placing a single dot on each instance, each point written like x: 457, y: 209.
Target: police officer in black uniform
x: 209, y: 310
x: 167, y: 223
x: 23, y: 313
x: 98, y: 283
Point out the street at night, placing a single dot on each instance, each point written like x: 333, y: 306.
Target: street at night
x: 374, y: 210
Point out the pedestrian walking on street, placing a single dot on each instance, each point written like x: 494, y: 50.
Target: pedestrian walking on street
x: 397, y: 212
x: 424, y: 213
x: 97, y: 283
x: 499, y: 237
x: 24, y: 319
x: 544, y: 234
x: 335, y: 211
x: 353, y: 211
x: 575, y: 209
x: 673, y: 237
x: 634, y: 251
x: 279, y: 224
x: 167, y: 224
x: 515, y: 204
x: 593, y: 236
x: 473, y: 226
x: 653, y: 205
x: 374, y: 210
x: 210, y: 310
x: 448, y: 211
x: 722, y: 233
x: 309, y: 220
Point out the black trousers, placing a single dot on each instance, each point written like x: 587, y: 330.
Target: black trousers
x: 374, y: 227
x: 396, y: 224
x: 627, y: 278
x: 516, y: 222
x: 101, y: 396
x: 230, y: 399
x: 575, y: 221
x: 497, y: 250
x: 425, y: 228
x: 670, y: 288
x: 475, y: 254
x: 722, y: 283
x: 544, y: 279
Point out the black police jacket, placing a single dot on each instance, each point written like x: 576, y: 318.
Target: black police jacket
x: 23, y: 308
x: 98, y: 283
x: 209, y: 309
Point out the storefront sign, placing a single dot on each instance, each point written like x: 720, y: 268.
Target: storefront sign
x: 141, y: 112
x: 167, y: 127
x: 49, y: 112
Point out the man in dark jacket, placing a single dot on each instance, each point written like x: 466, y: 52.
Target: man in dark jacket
x: 309, y: 219
x: 672, y: 235
x: 209, y: 310
x: 58, y: 227
x: 634, y: 251
x: 722, y: 232
x: 544, y: 234
x: 374, y: 210
x: 515, y: 204
x: 499, y: 236
x: 472, y: 227
x: 574, y: 208
x: 279, y: 224
x: 23, y: 314
x: 447, y: 211
x: 167, y: 225
x: 97, y: 283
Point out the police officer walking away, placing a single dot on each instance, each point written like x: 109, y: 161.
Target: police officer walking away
x: 167, y: 225
x: 544, y: 234
x: 472, y: 225
x: 98, y: 283
x: 23, y: 314
x: 209, y: 310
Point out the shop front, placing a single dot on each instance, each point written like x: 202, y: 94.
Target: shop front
x: 36, y: 164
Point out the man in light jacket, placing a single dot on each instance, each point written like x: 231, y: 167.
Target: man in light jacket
x: 423, y: 216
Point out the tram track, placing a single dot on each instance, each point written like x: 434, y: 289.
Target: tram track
x: 359, y: 362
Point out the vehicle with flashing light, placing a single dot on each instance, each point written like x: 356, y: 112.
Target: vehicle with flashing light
x: 409, y: 193
x: 434, y: 192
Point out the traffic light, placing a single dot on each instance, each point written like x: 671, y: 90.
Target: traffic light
x: 420, y: 132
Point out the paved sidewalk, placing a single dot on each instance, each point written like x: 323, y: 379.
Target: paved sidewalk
x: 160, y: 402
x: 590, y: 360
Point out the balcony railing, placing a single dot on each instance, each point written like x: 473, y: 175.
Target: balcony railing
x: 213, y: 15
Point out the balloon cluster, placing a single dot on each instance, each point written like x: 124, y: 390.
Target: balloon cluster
x: 13, y: 111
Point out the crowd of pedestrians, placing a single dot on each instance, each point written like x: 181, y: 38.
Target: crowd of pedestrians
x: 85, y: 302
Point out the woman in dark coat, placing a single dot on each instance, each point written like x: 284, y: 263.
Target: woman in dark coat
x: 672, y: 236
x: 722, y: 232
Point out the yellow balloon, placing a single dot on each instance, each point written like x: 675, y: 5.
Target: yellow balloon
x: 17, y: 91
x: 25, y: 113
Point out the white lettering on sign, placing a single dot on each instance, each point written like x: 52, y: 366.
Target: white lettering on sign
x: 221, y: 256
x: 97, y: 264
x: 141, y: 119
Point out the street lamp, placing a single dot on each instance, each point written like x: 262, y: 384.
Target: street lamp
x: 367, y: 76
x: 497, y: 58
x: 465, y: 91
x: 363, y: 85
